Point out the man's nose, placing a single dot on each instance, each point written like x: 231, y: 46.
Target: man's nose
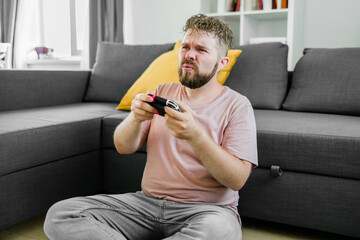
x: 191, y: 55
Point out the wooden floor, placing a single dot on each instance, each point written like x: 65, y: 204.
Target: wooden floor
x: 28, y: 230
x: 252, y: 230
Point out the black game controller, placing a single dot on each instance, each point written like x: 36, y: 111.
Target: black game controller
x: 159, y: 103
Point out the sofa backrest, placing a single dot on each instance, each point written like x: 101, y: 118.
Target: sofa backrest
x: 326, y: 81
x: 118, y: 66
x: 20, y: 89
x: 260, y: 73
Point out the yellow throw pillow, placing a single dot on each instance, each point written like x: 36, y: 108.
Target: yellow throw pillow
x: 165, y: 69
x: 224, y: 73
x: 162, y: 70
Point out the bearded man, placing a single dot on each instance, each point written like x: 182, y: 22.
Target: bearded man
x: 197, y: 159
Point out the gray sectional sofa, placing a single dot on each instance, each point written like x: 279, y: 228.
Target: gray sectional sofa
x: 56, y: 130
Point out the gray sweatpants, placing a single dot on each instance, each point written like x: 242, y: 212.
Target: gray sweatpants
x: 136, y: 216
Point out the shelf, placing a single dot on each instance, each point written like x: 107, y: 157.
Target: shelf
x: 253, y: 26
x: 227, y: 16
x: 267, y: 15
x: 259, y: 14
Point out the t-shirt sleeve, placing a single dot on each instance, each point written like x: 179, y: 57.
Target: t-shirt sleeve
x: 240, y: 134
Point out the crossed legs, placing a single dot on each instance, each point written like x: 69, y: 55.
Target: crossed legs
x: 136, y: 216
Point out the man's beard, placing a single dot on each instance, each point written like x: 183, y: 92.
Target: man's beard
x: 199, y: 79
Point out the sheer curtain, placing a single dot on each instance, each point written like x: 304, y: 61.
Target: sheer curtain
x: 27, y: 31
x: 8, y: 11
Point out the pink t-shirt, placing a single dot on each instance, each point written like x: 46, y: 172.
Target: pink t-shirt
x: 172, y: 169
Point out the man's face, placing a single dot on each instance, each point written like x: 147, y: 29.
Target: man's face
x: 198, y: 59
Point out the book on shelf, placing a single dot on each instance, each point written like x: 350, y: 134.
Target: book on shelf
x: 271, y: 4
x: 274, y: 4
x: 238, y: 6
x: 278, y: 4
x: 234, y: 5
x: 251, y: 5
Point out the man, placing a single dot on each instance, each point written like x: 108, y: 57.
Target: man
x: 197, y: 159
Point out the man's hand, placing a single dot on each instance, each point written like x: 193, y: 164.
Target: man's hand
x: 128, y: 136
x: 140, y: 109
x: 182, y: 125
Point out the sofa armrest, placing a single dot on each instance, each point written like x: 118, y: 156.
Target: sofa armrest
x: 20, y: 89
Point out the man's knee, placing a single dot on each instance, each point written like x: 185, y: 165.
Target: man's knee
x: 50, y: 220
x: 57, y: 216
x: 221, y: 224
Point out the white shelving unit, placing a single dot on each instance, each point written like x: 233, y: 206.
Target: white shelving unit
x: 287, y: 24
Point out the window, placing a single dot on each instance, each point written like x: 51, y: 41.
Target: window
x: 63, y: 25
x: 78, y: 23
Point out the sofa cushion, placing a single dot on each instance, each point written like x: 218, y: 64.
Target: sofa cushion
x: 260, y: 73
x: 49, y: 134
x: 326, y: 80
x: 122, y: 173
x: 309, y: 142
x: 118, y: 66
x: 30, y: 192
x: 20, y: 89
x: 307, y: 200
x: 108, y: 127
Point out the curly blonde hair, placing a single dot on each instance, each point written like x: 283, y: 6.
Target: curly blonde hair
x: 221, y: 30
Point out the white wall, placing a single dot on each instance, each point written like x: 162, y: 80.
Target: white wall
x: 332, y: 23
x: 156, y: 21
x: 327, y: 23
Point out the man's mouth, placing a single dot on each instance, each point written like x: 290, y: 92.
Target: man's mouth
x: 187, y: 67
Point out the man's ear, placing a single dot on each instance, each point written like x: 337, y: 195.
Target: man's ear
x: 224, y: 61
